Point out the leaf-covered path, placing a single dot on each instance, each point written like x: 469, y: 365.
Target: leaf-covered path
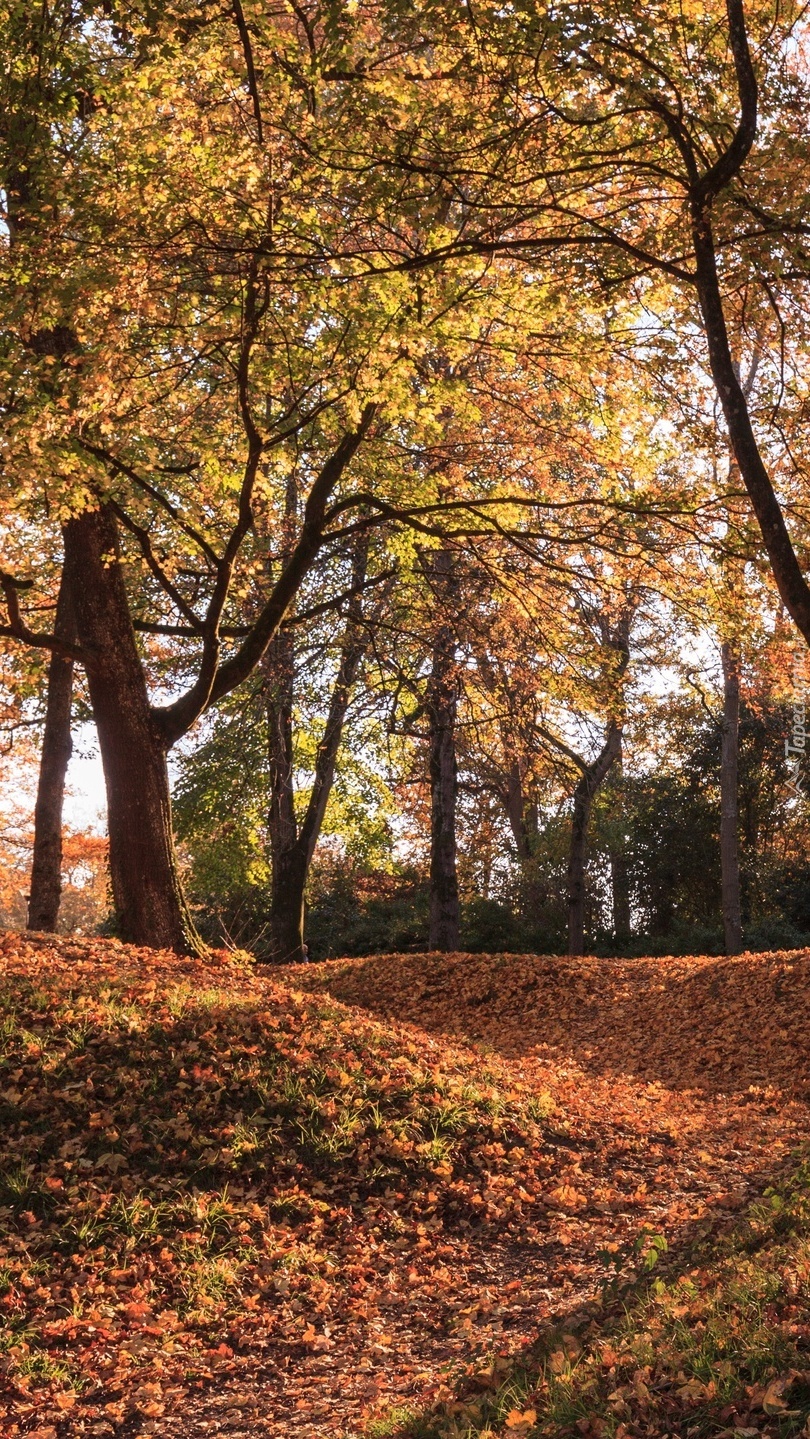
x: 682, y: 1085
x: 231, y: 1205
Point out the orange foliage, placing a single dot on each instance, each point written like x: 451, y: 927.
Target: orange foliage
x: 85, y: 883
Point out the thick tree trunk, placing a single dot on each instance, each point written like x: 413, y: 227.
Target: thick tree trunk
x: 729, y: 765
x: 287, y: 905
x: 442, y: 705
x: 46, y: 868
x: 149, y: 902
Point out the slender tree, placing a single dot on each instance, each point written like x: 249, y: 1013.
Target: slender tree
x: 729, y: 818
x: 292, y: 843
x: 591, y: 779
x: 613, y: 640
x: 441, y: 707
x: 57, y: 747
x: 619, y: 867
x: 676, y: 124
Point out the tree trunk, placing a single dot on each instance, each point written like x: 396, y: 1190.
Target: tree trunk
x: 287, y: 882
x: 522, y: 817
x: 442, y: 705
x: 46, y: 868
x: 149, y: 902
x: 576, y: 868
x: 785, y: 566
x: 729, y: 764
x: 291, y: 848
x: 587, y: 787
x: 619, y: 876
x: 620, y: 888
x: 287, y: 905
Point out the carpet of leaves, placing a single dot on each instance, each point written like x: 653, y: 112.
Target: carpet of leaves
x: 231, y: 1201
x: 717, y: 1346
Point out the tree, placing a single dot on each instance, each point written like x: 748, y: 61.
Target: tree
x: 729, y: 763
x: 613, y: 639
x: 57, y: 747
x: 292, y: 844
x: 255, y: 790
x: 188, y: 343
x: 441, y: 707
x: 675, y: 127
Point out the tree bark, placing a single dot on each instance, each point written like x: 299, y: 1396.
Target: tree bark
x: 287, y: 879
x: 291, y: 848
x: 442, y: 706
x: 587, y: 787
x: 149, y: 902
x: 287, y: 905
x: 729, y: 765
x: 786, y: 568
x: 619, y: 875
x: 57, y: 747
x: 620, y: 891
x: 616, y: 639
x: 576, y: 868
x: 522, y: 817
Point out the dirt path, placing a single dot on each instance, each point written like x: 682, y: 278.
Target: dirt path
x: 682, y: 1085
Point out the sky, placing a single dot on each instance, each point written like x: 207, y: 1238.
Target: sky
x: 85, y: 802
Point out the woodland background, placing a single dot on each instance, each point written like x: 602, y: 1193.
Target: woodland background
x: 404, y: 450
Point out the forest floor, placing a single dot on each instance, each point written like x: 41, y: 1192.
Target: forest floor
x: 320, y: 1201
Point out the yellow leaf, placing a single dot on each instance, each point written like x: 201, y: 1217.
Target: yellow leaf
x: 567, y: 1197
x: 519, y: 1422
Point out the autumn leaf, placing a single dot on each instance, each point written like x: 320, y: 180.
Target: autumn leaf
x: 775, y: 1400
x: 518, y: 1422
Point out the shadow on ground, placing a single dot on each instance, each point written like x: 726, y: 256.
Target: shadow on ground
x: 715, y: 1024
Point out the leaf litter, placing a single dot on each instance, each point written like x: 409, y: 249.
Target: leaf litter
x: 235, y: 1200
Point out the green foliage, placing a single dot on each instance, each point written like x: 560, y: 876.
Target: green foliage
x: 221, y: 796
x: 670, y: 820
x: 388, y: 914
x: 361, y: 902
x: 369, y: 914
x: 219, y: 800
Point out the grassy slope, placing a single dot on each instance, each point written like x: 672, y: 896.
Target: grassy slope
x: 205, y: 1174
x: 218, y: 1189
